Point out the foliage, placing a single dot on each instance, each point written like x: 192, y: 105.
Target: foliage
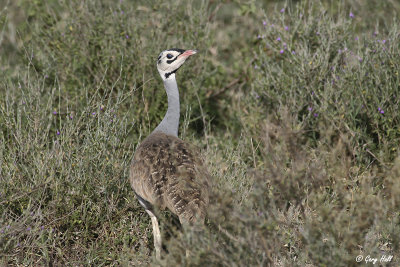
x: 295, y: 107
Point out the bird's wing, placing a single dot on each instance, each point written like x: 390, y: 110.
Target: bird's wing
x: 167, y: 172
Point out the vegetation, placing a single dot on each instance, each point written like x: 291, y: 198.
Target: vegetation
x: 294, y: 106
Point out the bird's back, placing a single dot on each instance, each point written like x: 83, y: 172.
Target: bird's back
x: 167, y: 173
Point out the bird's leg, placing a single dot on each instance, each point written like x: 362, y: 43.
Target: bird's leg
x: 156, y: 233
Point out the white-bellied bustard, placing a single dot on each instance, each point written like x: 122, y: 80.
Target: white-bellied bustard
x: 165, y: 171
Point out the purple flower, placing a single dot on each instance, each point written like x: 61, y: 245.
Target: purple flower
x: 293, y: 52
x: 383, y: 41
x: 54, y: 112
x: 101, y: 108
x: 42, y: 227
x: 356, y: 38
x: 309, y: 108
x: 360, y: 59
x: 315, y: 114
x: 281, y: 51
x: 375, y: 33
x: 381, y: 110
x: 282, y: 10
x: 58, y: 132
x: 351, y: 15
x: 70, y: 117
x: 317, y: 33
x: 264, y: 23
x: 259, y: 37
x: 286, y: 28
x: 126, y: 36
x: 122, y: 12
x: 278, y: 39
x: 93, y: 113
x: 29, y: 228
x: 285, y: 45
x: 272, y: 25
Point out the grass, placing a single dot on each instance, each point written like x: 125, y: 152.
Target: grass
x: 294, y: 106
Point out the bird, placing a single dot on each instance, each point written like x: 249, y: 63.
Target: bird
x: 166, y: 172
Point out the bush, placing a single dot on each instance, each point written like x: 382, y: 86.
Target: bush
x: 295, y: 109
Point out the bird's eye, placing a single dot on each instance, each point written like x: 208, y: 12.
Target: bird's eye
x: 169, y: 56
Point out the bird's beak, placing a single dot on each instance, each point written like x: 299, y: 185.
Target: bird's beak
x: 188, y: 53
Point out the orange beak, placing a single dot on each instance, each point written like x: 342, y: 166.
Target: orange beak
x: 188, y: 53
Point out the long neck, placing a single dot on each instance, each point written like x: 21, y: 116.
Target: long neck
x: 170, y: 123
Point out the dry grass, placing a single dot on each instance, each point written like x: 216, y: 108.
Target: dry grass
x: 303, y: 146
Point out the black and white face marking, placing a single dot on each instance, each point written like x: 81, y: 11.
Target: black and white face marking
x: 169, y: 61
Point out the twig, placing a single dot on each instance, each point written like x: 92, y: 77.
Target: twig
x: 212, y: 15
x: 232, y: 83
x: 24, y: 194
x: 372, y: 154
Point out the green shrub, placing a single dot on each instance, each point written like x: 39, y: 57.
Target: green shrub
x: 294, y: 106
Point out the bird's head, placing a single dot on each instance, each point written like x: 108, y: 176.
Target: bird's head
x: 169, y: 61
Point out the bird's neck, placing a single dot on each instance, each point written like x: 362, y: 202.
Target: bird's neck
x: 170, y: 123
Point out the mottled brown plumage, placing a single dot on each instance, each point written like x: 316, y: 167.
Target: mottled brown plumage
x: 167, y: 173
